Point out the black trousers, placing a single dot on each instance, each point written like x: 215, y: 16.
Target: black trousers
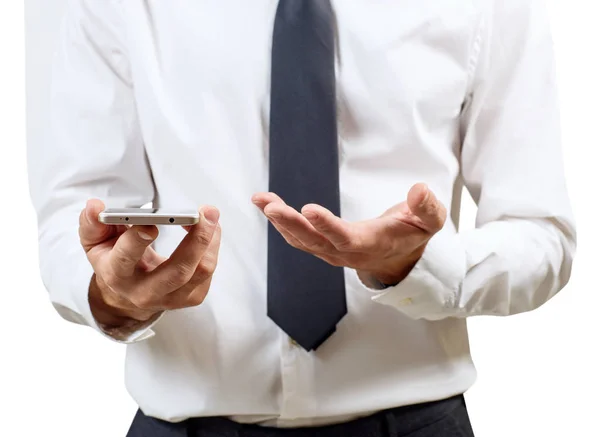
x: 446, y: 418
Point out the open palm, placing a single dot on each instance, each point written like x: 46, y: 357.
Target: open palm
x: 386, y: 246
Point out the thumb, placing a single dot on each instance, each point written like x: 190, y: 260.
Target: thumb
x: 425, y: 206
x: 91, y: 231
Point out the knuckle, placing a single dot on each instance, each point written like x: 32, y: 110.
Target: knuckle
x: 111, y: 281
x: 207, y: 266
x: 316, y: 247
x: 142, y: 301
x: 347, y: 245
x: 184, y: 271
x: 203, y: 237
x: 180, y: 274
x: 120, y: 256
x: 293, y: 241
x: 196, y: 298
x: 442, y: 213
x: 110, y: 294
x: 432, y: 211
x: 172, y: 303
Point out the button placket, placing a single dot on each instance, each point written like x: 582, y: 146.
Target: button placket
x: 289, y: 376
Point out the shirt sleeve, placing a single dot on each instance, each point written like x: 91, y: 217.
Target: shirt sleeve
x: 521, y: 251
x: 95, y: 150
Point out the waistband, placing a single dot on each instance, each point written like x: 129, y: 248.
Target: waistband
x: 392, y: 422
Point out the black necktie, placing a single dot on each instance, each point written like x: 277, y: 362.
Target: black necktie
x: 306, y: 296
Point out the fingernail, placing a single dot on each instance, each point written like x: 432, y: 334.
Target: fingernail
x: 212, y: 215
x: 145, y: 236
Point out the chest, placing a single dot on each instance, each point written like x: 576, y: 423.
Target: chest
x: 205, y: 64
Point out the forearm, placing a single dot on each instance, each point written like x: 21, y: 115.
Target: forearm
x: 505, y: 267
x: 521, y: 252
x: 94, y: 150
x: 514, y: 266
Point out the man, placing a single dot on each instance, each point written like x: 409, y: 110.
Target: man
x: 326, y: 287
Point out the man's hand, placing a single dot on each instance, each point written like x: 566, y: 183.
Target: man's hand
x: 132, y: 283
x: 384, y: 249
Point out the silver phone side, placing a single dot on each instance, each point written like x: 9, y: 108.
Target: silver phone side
x: 139, y: 218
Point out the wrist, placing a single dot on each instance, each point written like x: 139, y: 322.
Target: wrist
x: 392, y: 275
x: 391, y: 278
x: 108, y: 315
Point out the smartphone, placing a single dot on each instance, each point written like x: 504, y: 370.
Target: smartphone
x: 148, y: 216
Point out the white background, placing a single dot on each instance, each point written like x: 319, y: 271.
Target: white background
x: 538, y: 372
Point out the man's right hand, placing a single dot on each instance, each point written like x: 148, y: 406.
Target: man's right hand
x: 132, y: 283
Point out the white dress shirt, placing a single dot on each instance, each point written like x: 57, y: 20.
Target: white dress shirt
x: 168, y: 102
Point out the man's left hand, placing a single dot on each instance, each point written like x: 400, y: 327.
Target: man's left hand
x: 384, y: 249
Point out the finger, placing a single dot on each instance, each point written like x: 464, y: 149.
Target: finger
x: 150, y: 260
x: 292, y: 222
x: 188, y: 297
x: 261, y: 200
x: 91, y: 231
x: 194, y: 292
x: 181, y: 265
x: 130, y: 248
x: 339, y: 232
x: 291, y: 240
x: 424, y: 205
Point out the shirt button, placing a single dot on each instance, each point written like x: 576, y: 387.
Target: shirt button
x: 406, y: 302
x: 293, y: 342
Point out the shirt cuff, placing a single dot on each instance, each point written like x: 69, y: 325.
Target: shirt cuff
x: 127, y: 334
x: 431, y: 290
